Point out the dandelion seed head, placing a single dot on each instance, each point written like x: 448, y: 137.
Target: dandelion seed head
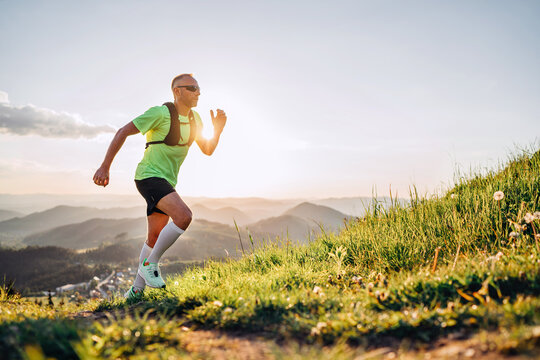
x: 498, y: 195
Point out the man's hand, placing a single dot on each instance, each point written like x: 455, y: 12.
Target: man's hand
x: 101, y: 177
x: 219, y: 120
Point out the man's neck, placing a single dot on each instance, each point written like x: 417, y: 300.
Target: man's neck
x: 181, y: 108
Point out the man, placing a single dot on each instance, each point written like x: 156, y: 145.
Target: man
x: 157, y: 173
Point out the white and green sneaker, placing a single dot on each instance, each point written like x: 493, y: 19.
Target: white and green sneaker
x: 133, y: 293
x: 151, y: 274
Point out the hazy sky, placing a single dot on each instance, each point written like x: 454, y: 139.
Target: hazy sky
x: 324, y: 98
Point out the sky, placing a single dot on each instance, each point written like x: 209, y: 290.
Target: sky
x: 323, y: 98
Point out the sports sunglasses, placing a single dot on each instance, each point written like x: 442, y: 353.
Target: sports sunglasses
x: 191, y: 88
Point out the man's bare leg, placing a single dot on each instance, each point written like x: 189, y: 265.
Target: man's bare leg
x: 181, y: 215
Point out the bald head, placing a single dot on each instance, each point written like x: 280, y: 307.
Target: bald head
x: 183, y: 79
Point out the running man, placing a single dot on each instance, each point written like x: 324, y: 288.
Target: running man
x: 157, y: 173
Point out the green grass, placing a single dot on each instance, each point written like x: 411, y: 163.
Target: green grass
x: 459, y: 262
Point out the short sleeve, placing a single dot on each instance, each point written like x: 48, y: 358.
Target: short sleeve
x: 149, y: 120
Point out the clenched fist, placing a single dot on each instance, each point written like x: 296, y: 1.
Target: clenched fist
x: 101, y: 177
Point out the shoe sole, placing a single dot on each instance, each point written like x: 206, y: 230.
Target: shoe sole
x: 153, y: 287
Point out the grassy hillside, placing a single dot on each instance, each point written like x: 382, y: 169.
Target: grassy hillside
x: 462, y: 264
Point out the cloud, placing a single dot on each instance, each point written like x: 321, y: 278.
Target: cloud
x: 31, y: 120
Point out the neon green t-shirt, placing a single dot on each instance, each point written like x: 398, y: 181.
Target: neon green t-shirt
x: 161, y: 160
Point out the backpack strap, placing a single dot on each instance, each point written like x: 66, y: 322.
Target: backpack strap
x: 192, y: 128
x: 175, y: 135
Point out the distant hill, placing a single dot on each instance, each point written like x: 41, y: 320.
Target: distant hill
x: 45, y: 268
x: 203, y: 238
x: 8, y: 214
x: 318, y: 214
x: 293, y: 226
x: 29, y: 203
x: 300, y: 221
x: 89, y: 234
x: 255, y: 208
x: 225, y: 215
x: 208, y: 239
x: 63, y: 215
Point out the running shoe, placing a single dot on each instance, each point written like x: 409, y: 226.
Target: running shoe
x: 133, y: 293
x: 151, y: 274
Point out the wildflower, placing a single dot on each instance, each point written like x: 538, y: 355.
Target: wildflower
x: 537, y: 215
x: 499, y: 255
x: 318, y: 290
x: 514, y: 235
x: 357, y: 279
x: 499, y: 195
x: 529, y: 218
x: 227, y: 310
x: 317, y: 329
x: 218, y: 303
x: 176, y: 283
x: 452, y: 196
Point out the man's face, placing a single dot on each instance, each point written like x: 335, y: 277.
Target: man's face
x: 187, y: 91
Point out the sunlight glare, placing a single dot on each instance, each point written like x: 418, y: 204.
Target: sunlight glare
x: 208, y: 131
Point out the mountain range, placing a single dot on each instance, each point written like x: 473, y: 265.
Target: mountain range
x: 86, y: 228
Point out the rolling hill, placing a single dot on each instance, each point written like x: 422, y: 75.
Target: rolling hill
x: 89, y: 234
x: 63, y: 215
x: 224, y: 215
x: 8, y: 214
x: 318, y: 214
x: 203, y: 238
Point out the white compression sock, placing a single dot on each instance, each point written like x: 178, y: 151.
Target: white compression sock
x: 139, y: 281
x: 166, y: 238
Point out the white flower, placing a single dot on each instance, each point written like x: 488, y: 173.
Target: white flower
x: 317, y: 330
x: 514, y: 235
x: 499, y: 255
x: 499, y: 195
x: 218, y: 303
x: 317, y: 290
x: 452, y: 196
x: 176, y: 283
x: 529, y: 218
x: 537, y: 215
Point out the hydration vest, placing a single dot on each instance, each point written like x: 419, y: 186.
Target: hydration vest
x: 175, y: 135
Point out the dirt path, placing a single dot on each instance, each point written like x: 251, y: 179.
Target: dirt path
x: 220, y: 345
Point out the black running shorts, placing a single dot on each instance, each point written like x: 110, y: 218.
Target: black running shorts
x: 153, y: 189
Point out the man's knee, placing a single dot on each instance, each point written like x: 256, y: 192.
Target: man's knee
x: 182, y: 218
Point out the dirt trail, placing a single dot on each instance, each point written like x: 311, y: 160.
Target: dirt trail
x: 220, y: 345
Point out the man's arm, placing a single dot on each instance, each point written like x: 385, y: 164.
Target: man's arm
x: 101, y: 177
x: 208, y: 146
